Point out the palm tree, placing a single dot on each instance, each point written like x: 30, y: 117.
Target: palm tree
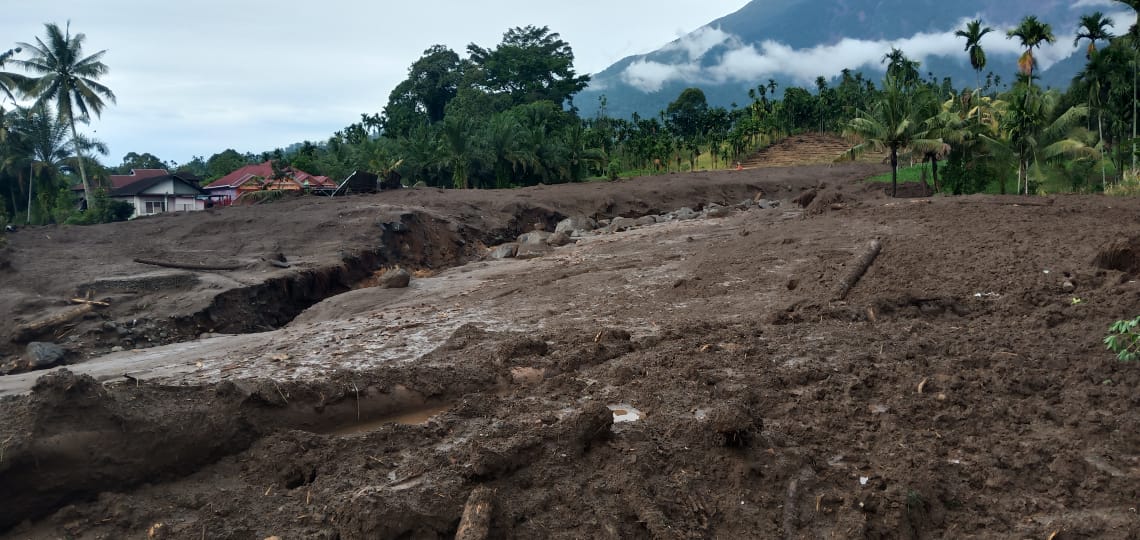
x: 579, y: 153
x: 503, y: 137
x: 1093, y: 28
x: 1032, y: 33
x: 456, y: 149
x: 68, y: 80
x: 44, y: 139
x: 893, y: 123
x: 8, y: 81
x: 1032, y: 129
x: 973, y: 34
x: 901, y: 68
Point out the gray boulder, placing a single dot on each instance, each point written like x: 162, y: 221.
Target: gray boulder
x: 558, y: 239
x: 717, y: 211
x: 530, y: 251
x: 622, y: 224
x: 504, y: 251
x: 685, y: 213
x: 576, y: 224
x: 396, y: 278
x: 40, y: 355
x: 646, y: 220
x: 533, y: 238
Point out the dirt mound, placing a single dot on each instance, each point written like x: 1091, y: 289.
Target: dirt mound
x: 626, y: 385
x: 1120, y: 254
x: 826, y: 201
x: 806, y: 149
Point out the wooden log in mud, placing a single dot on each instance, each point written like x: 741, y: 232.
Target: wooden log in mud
x: 187, y: 266
x: 861, y: 265
x: 476, y: 521
x: 29, y: 331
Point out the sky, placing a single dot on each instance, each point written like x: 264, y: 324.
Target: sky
x: 196, y: 77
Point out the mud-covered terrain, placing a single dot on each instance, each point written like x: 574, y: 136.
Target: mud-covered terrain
x: 715, y: 372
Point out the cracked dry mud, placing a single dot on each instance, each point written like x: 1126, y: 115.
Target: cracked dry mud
x: 685, y: 379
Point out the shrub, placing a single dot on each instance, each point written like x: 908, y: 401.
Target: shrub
x: 1124, y: 339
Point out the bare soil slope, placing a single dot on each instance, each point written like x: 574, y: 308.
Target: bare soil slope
x: 690, y: 378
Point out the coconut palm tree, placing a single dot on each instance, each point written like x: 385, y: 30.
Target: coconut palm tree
x: 1032, y: 33
x: 893, y: 123
x: 1033, y: 129
x: 9, y: 81
x: 1094, y: 28
x: 973, y: 34
x: 68, y: 80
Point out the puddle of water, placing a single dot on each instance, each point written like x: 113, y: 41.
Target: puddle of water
x: 408, y: 418
x: 624, y: 412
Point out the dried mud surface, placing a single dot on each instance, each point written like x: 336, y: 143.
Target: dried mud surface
x: 685, y: 379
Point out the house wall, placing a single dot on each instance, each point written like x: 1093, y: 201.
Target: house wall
x: 167, y: 196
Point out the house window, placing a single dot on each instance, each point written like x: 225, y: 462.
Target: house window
x: 155, y: 207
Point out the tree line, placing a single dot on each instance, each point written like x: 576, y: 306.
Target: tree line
x: 504, y: 116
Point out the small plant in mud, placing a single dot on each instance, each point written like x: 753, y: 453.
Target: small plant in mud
x: 1124, y: 339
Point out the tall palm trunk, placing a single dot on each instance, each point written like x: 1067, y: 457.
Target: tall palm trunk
x: 82, y: 169
x: 894, y: 171
x: 1100, y: 134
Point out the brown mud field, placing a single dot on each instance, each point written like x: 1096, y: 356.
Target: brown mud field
x: 696, y: 362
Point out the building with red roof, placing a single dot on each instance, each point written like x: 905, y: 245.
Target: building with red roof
x: 262, y: 177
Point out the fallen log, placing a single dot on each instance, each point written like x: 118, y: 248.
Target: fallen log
x: 28, y: 331
x: 90, y: 302
x: 185, y: 266
x: 861, y: 265
x: 476, y: 521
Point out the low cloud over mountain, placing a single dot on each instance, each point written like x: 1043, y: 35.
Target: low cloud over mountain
x: 796, y: 41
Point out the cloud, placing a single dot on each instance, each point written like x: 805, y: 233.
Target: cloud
x: 704, y: 39
x: 749, y: 62
x: 1079, y: 4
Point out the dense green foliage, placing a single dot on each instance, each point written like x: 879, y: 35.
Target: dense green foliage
x: 504, y: 116
x: 1124, y: 339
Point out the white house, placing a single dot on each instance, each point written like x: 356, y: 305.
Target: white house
x: 158, y: 194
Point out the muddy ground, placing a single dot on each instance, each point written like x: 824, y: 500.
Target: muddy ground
x: 692, y: 378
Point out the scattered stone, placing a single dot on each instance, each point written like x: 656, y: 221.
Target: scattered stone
x: 1068, y: 286
x: 534, y: 238
x: 717, y: 211
x: 396, y: 278
x: 504, y: 251
x: 41, y: 355
x: 622, y: 224
x: 765, y: 204
x: 685, y: 213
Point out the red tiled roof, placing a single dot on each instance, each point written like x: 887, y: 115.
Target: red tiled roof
x: 264, y: 171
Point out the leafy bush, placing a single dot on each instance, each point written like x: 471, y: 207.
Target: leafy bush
x: 1128, y: 187
x: 1124, y: 339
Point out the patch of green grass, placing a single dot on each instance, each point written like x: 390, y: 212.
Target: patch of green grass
x: 912, y: 173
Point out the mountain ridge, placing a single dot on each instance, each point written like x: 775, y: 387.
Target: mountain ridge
x: 795, y: 41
